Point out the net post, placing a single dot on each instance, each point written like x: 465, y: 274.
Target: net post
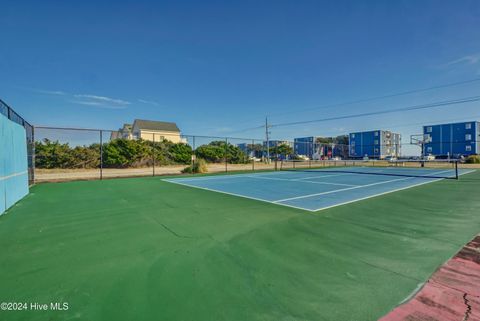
x: 456, y: 169
x: 101, y: 154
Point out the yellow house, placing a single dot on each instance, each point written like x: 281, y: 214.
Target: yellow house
x: 156, y: 131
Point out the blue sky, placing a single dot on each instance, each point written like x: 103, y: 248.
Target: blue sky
x: 219, y: 67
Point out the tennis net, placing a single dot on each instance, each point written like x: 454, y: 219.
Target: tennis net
x: 409, y: 168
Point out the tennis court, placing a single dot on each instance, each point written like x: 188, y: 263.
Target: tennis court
x: 143, y: 249
x: 315, y: 189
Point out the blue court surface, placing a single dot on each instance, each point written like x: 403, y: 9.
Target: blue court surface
x: 315, y: 190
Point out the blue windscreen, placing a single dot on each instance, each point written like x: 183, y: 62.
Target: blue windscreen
x: 13, y: 163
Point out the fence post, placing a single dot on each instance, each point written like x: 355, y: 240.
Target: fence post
x: 276, y: 155
x: 194, y: 155
x: 226, y: 151
x: 153, y: 153
x: 33, y: 154
x: 253, y: 156
x: 101, y: 154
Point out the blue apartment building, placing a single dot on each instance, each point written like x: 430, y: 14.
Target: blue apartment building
x: 249, y: 151
x: 374, y: 144
x: 304, y: 146
x: 452, y: 140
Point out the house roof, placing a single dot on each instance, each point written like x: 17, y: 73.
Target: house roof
x: 155, y: 125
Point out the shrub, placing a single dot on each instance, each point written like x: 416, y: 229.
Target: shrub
x: 181, y: 153
x: 200, y: 166
x: 126, y: 153
x: 118, y: 153
x: 215, y: 152
x: 473, y: 159
x: 53, y: 154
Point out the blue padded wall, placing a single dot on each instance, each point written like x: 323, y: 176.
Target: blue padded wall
x: 13, y: 163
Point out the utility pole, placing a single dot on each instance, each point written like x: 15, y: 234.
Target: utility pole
x: 268, y: 141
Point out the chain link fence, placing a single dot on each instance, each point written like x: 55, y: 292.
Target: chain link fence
x: 63, y: 154
x: 73, y: 154
x: 13, y: 116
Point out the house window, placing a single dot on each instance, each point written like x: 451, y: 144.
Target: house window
x: 468, y: 137
x: 375, y: 141
x: 353, y: 135
x: 468, y: 148
x: 429, y: 149
x: 468, y: 126
x: 376, y: 133
x: 376, y: 150
x: 429, y: 129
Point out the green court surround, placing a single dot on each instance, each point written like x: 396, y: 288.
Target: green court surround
x: 145, y: 249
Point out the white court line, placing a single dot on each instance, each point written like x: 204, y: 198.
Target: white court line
x: 350, y: 188
x: 320, y: 176
x: 222, y: 176
x: 303, y: 208
x: 13, y: 175
x: 238, y: 195
x: 296, y: 180
x: 383, y: 193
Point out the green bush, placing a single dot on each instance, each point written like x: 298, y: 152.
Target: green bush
x: 473, y: 159
x: 50, y: 154
x: 118, y: 153
x: 181, y: 153
x: 200, y: 166
x: 216, y: 151
x: 126, y: 153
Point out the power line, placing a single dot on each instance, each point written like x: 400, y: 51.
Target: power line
x: 408, y: 92
x: 409, y: 108
x: 247, y: 129
x: 402, y: 125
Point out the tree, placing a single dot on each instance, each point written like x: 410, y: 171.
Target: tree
x: 180, y: 153
x: 126, y: 153
x: 257, y: 149
x: 52, y: 154
x: 217, y: 151
x: 282, y: 149
x: 342, y: 139
x: 85, y: 156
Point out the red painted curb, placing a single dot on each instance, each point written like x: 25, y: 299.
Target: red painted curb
x: 451, y: 294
